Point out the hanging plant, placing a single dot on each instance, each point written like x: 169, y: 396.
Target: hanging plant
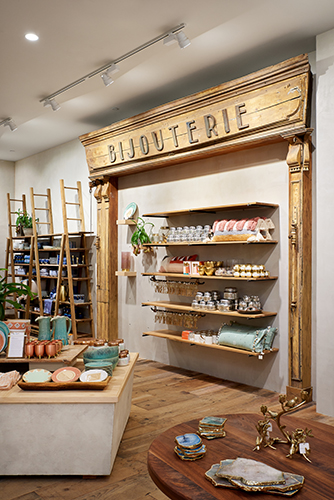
x: 140, y: 237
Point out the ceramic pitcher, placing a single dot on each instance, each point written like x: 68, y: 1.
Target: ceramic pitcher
x: 61, y: 329
x: 45, y: 331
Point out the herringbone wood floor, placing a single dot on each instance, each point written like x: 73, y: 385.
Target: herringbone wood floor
x: 163, y: 396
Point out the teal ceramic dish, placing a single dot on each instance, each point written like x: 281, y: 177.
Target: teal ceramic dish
x: 98, y: 353
x: 4, y: 334
x: 113, y: 360
x: 102, y: 365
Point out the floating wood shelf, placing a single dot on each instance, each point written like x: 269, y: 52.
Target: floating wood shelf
x: 126, y: 222
x: 196, y: 276
x: 173, y: 335
x: 221, y: 208
x: 185, y: 308
x: 209, y: 243
x: 126, y: 273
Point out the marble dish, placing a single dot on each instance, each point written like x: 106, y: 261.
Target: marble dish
x: 293, y: 483
x: 213, y: 421
x: 188, y: 441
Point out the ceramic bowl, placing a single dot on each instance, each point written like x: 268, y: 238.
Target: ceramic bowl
x: 103, y: 365
x: 103, y: 352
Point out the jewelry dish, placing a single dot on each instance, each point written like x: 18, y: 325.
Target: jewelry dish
x: 66, y: 374
x: 93, y: 376
x: 129, y: 211
x: 37, y: 376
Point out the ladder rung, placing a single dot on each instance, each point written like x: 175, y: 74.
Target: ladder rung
x: 42, y: 223
x: 70, y: 203
x: 45, y: 195
x: 70, y: 218
x: 36, y: 208
x: 66, y: 187
x: 12, y: 199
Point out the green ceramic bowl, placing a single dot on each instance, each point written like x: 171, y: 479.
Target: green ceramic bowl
x: 99, y: 353
x: 113, y: 361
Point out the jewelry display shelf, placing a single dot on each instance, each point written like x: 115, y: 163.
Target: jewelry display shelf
x: 185, y: 308
x: 196, y: 276
x: 213, y: 210
x: 176, y: 336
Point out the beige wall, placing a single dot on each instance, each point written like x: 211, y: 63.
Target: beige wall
x: 7, y: 185
x: 256, y: 175
x: 323, y: 270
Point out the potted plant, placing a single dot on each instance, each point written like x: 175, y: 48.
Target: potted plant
x: 24, y: 223
x: 140, y: 237
x: 7, y: 289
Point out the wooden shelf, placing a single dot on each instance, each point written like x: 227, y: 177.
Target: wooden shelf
x: 196, y: 276
x: 209, y: 243
x: 176, y: 336
x: 221, y: 208
x: 185, y: 308
x: 126, y: 273
x: 126, y: 222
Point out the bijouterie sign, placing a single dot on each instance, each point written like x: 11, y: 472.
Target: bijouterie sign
x: 246, y: 110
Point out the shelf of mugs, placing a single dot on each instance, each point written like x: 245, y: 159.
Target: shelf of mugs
x: 179, y: 306
x: 176, y: 336
x: 197, y: 276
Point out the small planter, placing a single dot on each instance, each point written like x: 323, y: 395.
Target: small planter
x: 28, y: 231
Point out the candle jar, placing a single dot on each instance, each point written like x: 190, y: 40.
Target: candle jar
x: 125, y: 261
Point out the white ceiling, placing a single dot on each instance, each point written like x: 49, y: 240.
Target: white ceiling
x: 229, y: 38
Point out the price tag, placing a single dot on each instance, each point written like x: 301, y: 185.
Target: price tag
x: 303, y: 447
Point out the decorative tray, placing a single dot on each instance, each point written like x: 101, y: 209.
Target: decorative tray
x: 62, y: 386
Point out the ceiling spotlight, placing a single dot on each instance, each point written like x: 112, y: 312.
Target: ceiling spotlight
x: 9, y: 123
x: 32, y: 37
x: 53, y: 103
x: 183, y: 41
x: 106, y: 76
x: 170, y: 39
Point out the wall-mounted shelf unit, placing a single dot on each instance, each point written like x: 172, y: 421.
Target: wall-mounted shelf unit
x: 173, y: 335
x: 187, y: 308
x: 126, y: 222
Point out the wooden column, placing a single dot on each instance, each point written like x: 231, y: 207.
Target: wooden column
x: 106, y: 195
x: 300, y: 263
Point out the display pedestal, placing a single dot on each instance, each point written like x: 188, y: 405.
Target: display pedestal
x: 65, y: 432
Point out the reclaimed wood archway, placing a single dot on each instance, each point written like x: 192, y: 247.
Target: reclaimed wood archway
x: 268, y: 106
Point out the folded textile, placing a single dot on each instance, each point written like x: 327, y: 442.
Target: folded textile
x: 8, y: 380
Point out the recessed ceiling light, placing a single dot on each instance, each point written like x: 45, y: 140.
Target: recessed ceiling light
x: 31, y: 37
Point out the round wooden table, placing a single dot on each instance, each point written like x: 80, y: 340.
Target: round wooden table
x: 182, y: 480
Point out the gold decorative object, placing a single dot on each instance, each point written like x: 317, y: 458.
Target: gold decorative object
x: 296, y: 440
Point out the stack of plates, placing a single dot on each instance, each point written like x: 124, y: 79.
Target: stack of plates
x: 251, y: 475
x: 100, y: 365
x: 189, y: 447
x: 212, y: 427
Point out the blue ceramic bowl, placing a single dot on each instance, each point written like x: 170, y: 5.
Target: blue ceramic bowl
x: 103, y: 352
x: 103, y: 365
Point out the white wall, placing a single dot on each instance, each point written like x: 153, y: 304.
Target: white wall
x: 323, y: 234
x: 7, y: 179
x: 259, y: 174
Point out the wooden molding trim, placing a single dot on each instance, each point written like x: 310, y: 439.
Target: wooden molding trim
x: 256, y: 109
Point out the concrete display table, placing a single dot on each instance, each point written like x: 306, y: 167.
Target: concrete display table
x: 65, y: 432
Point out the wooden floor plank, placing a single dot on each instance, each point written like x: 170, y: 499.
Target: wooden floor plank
x: 163, y: 396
